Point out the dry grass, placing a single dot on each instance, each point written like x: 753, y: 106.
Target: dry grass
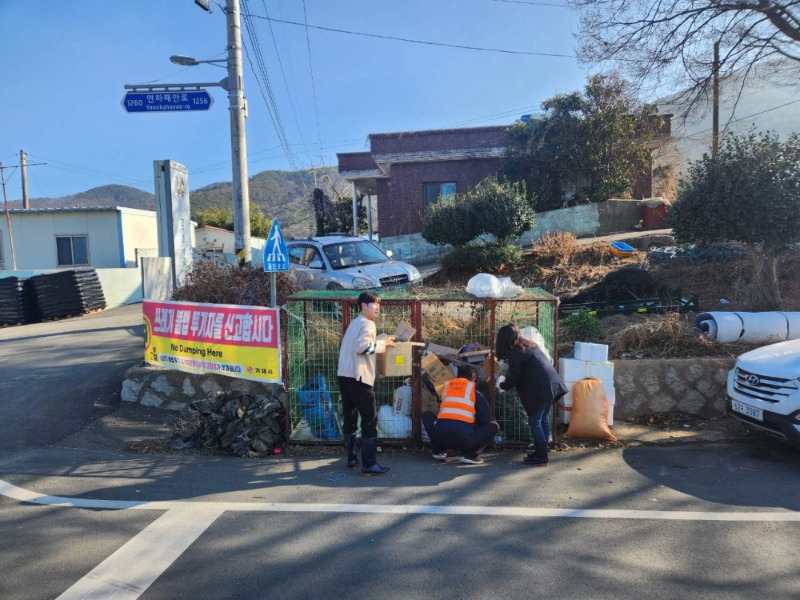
x: 666, y: 336
x: 225, y: 284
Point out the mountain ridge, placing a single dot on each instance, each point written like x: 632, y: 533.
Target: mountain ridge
x: 279, y: 194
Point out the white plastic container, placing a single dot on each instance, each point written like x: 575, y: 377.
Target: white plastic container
x: 591, y: 352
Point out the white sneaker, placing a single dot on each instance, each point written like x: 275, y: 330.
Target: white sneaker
x: 441, y: 456
x: 470, y: 461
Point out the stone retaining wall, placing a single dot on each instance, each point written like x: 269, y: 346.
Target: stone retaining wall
x: 695, y: 386
x: 174, y: 390
x: 692, y: 385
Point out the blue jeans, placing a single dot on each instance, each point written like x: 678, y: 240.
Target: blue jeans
x: 539, y: 422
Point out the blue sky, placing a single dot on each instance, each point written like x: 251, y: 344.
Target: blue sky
x: 66, y: 62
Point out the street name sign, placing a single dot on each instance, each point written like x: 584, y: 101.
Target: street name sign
x: 135, y: 102
x: 276, y: 257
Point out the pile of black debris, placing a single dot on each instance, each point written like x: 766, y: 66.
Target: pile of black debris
x: 16, y: 302
x: 232, y: 421
x: 67, y: 293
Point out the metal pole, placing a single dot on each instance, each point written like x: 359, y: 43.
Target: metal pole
x: 8, y: 220
x: 715, y: 113
x: 355, y: 208
x: 23, y: 165
x: 238, y: 110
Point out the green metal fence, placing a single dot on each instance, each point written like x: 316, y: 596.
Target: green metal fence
x: 317, y: 321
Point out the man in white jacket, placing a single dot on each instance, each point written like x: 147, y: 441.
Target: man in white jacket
x: 356, y: 377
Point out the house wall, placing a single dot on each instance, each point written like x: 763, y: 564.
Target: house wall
x: 401, y: 196
x: 139, y: 232
x: 35, y: 238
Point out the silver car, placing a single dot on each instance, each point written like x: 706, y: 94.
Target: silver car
x: 337, y: 262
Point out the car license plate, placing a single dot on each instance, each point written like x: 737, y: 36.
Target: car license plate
x: 747, y: 410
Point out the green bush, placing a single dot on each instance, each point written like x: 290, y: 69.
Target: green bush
x: 450, y: 223
x: 482, y: 257
x: 581, y: 327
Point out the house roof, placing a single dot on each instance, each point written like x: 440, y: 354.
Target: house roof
x: 384, y: 160
x: 66, y: 209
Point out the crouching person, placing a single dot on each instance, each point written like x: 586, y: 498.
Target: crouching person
x: 464, y: 422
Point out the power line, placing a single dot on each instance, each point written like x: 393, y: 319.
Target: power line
x: 286, y: 83
x: 265, y: 86
x: 311, y: 70
x: 412, y: 41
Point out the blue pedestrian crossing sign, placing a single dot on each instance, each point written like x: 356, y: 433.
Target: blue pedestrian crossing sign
x: 276, y: 258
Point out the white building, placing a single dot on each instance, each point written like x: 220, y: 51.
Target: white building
x: 212, y: 240
x: 99, y: 237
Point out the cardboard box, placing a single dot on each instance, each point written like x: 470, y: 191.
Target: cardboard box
x: 440, y: 350
x: 485, y: 369
x: 429, y: 402
x: 404, y: 332
x: 438, y: 372
x: 396, y: 361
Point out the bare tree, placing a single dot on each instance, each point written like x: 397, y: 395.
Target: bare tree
x: 670, y: 42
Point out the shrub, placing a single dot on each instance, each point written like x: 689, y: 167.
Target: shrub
x: 225, y: 284
x: 483, y: 257
x: 582, y: 327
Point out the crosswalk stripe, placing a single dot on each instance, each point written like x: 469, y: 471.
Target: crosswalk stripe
x: 129, y: 571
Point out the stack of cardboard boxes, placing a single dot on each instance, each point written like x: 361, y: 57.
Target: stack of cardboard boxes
x: 591, y: 360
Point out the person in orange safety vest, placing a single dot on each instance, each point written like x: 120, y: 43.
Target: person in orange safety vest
x: 464, y: 421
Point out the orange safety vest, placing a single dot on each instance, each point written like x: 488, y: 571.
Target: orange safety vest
x: 458, y: 400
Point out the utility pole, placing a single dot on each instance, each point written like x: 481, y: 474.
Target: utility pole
x: 238, y: 113
x: 8, y: 219
x: 715, y: 109
x: 23, y: 165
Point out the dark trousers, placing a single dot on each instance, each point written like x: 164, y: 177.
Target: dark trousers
x: 470, y: 444
x: 358, y: 399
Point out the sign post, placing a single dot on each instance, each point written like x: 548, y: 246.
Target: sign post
x: 167, y: 101
x: 276, y: 257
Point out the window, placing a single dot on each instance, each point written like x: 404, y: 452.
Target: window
x: 72, y: 250
x: 306, y: 256
x: 434, y: 192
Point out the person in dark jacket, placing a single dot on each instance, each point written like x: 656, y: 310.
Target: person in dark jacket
x: 538, y: 385
x: 464, y: 422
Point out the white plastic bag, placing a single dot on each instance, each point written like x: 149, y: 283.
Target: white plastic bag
x: 532, y: 334
x: 394, y: 426
x: 509, y: 289
x: 484, y: 285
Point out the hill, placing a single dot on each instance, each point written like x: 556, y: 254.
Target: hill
x: 279, y: 194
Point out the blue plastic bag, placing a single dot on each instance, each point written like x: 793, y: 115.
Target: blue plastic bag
x: 315, y: 400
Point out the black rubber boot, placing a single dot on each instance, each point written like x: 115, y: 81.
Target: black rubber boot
x: 540, y: 458
x: 370, y: 466
x: 350, y: 445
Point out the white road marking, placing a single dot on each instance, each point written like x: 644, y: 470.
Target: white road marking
x: 17, y: 493
x: 129, y: 571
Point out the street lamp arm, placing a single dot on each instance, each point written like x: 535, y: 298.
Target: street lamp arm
x: 174, y: 87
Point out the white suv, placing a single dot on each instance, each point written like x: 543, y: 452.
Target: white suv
x: 341, y: 262
x: 764, y: 390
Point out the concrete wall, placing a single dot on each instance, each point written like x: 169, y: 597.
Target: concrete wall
x: 584, y: 220
x: 120, y: 286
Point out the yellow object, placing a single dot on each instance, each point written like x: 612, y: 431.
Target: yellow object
x: 589, y: 411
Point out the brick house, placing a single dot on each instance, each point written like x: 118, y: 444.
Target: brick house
x: 407, y: 171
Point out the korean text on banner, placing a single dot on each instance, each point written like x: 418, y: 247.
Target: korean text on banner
x: 237, y: 341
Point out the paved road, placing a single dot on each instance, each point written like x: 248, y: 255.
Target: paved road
x: 57, y: 376
x: 82, y: 519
